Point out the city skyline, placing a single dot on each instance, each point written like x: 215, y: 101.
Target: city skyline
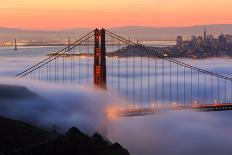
x: 47, y: 15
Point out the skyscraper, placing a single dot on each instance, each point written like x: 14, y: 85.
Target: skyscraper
x: 205, y: 34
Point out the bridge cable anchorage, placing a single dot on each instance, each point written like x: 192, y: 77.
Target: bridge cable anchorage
x: 39, y: 65
x: 166, y: 58
x: 51, y: 58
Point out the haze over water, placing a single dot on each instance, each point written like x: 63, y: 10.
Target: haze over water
x: 181, y: 132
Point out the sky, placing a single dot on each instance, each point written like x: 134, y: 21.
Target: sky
x: 68, y: 14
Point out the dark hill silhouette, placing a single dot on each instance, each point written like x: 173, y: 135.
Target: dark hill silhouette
x: 19, y: 138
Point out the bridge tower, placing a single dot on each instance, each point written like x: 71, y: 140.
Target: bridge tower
x: 99, y: 58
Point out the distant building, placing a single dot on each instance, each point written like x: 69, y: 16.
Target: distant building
x: 228, y: 39
x: 210, y: 37
x: 194, y: 38
x: 199, y: 38
x: 205, y: 34
x: 203, y: 46
x: 222, y: 39
x: 179, y: 41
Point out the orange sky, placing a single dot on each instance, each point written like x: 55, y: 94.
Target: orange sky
x: 65, y: 14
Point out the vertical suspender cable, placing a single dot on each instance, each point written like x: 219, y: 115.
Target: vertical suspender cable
x: 225, y: 93
x: 191, y: 86
x: 80, y: 62
x: 163, y: 81
x: 79, y: 65
x: 56, y: 69
x: 211, y: 89
x: 177, y: 84
x: 118, y: 67
x: 184, y: 87
x: 63, y: 68
x: 218, y: 90
x: 112, y: 63
x: 205, y: 88
x: 74, y: 65
x: 141, y: 78
x: 127, y: 91
x: 170, y: 82
x: 198, y: 87
x: 47, y: 72
x: 134, y: 76
x: 148, y: 82
x: 155, y: 79
x: 230, y: 100
x: 88, y: 56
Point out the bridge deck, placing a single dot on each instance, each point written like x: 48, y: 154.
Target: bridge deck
x: 130, y: 112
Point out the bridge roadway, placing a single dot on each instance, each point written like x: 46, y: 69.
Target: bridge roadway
x: 137, y: 111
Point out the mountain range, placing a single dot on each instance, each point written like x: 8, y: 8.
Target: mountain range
x: 135, y: 32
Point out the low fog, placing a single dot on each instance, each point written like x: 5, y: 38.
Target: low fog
x: 166, y: 133
x: 59, y: 105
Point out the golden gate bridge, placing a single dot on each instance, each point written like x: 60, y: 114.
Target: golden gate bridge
x: 150, y: 80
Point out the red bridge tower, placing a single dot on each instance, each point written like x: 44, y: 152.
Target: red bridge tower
x: 99, y: 58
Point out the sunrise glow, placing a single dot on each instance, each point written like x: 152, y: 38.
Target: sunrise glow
x: 60, y: 14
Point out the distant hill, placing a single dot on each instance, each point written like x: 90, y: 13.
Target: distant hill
x: 11, y: 33
x: 170, y: 33
x: 136, y: 32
